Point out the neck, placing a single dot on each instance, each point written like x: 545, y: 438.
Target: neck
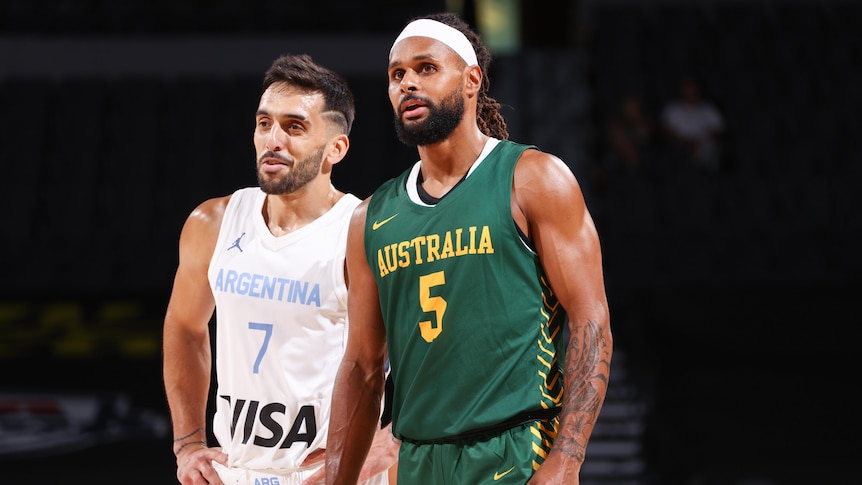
x: 286, y: 213
x: 453, y: 156
x: 445, y: 164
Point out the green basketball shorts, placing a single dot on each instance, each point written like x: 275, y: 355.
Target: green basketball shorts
x: 507, y: 457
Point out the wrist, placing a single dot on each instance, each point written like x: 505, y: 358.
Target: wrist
x: 196, y: 437
x: 179, y: 448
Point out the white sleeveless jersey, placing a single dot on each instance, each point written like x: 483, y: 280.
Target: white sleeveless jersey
x: 281, y: 330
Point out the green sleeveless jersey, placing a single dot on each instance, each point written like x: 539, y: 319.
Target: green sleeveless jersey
x: 474, y: 331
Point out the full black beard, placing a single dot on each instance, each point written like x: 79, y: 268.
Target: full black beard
x: 302, y: 172
x: 441, y: 122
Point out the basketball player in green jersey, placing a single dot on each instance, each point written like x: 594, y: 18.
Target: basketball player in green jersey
x: 465, y: 269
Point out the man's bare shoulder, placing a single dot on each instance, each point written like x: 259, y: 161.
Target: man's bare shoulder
x: 361, y: 210
x: 535, y: 159
x: 204, y: 222
x: 539, y: 169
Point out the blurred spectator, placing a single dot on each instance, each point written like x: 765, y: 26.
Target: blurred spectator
x: 693, y: 126
x: 630, y: 142
x: 631, y: 134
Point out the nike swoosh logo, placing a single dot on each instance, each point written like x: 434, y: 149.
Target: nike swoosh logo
x: 377, y: 224
x: 499, y: 475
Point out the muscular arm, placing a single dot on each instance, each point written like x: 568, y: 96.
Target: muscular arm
x: 359, y: 384
x: 186, y: 342
x: 548, y: 203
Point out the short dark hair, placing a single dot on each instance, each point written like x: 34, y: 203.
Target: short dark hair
x: 300, y: 70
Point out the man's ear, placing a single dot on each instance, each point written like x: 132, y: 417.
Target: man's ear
x: 474, y: 80
x: 338, y: 148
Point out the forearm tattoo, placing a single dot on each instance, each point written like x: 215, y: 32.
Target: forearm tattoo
x: 181, y: 438
x: 587, y: 369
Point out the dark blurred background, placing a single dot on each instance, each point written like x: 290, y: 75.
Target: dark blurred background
x: 733, y: 289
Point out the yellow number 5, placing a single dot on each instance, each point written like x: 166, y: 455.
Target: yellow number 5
x: 429, y: 303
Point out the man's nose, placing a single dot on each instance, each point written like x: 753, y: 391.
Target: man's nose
x: 409, y: 81
x: 276, y: 139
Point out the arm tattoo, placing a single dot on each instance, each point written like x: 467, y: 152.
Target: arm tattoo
x: 586, y: 379
x: 188, y: 435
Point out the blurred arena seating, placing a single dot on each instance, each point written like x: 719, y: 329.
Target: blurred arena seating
x: 736, y: 286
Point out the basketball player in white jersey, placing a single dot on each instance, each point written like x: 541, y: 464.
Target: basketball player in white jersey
x: 269, y: 261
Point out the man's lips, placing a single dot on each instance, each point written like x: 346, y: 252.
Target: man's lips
x: 271, y: 167
x: 274, y: 164
x: 412, y: 109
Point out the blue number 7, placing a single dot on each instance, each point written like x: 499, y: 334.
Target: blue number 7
x: 266, y: 327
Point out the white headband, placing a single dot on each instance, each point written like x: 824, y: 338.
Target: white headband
x: 439, y: 31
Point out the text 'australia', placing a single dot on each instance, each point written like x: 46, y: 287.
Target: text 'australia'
x: 433, y: 247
